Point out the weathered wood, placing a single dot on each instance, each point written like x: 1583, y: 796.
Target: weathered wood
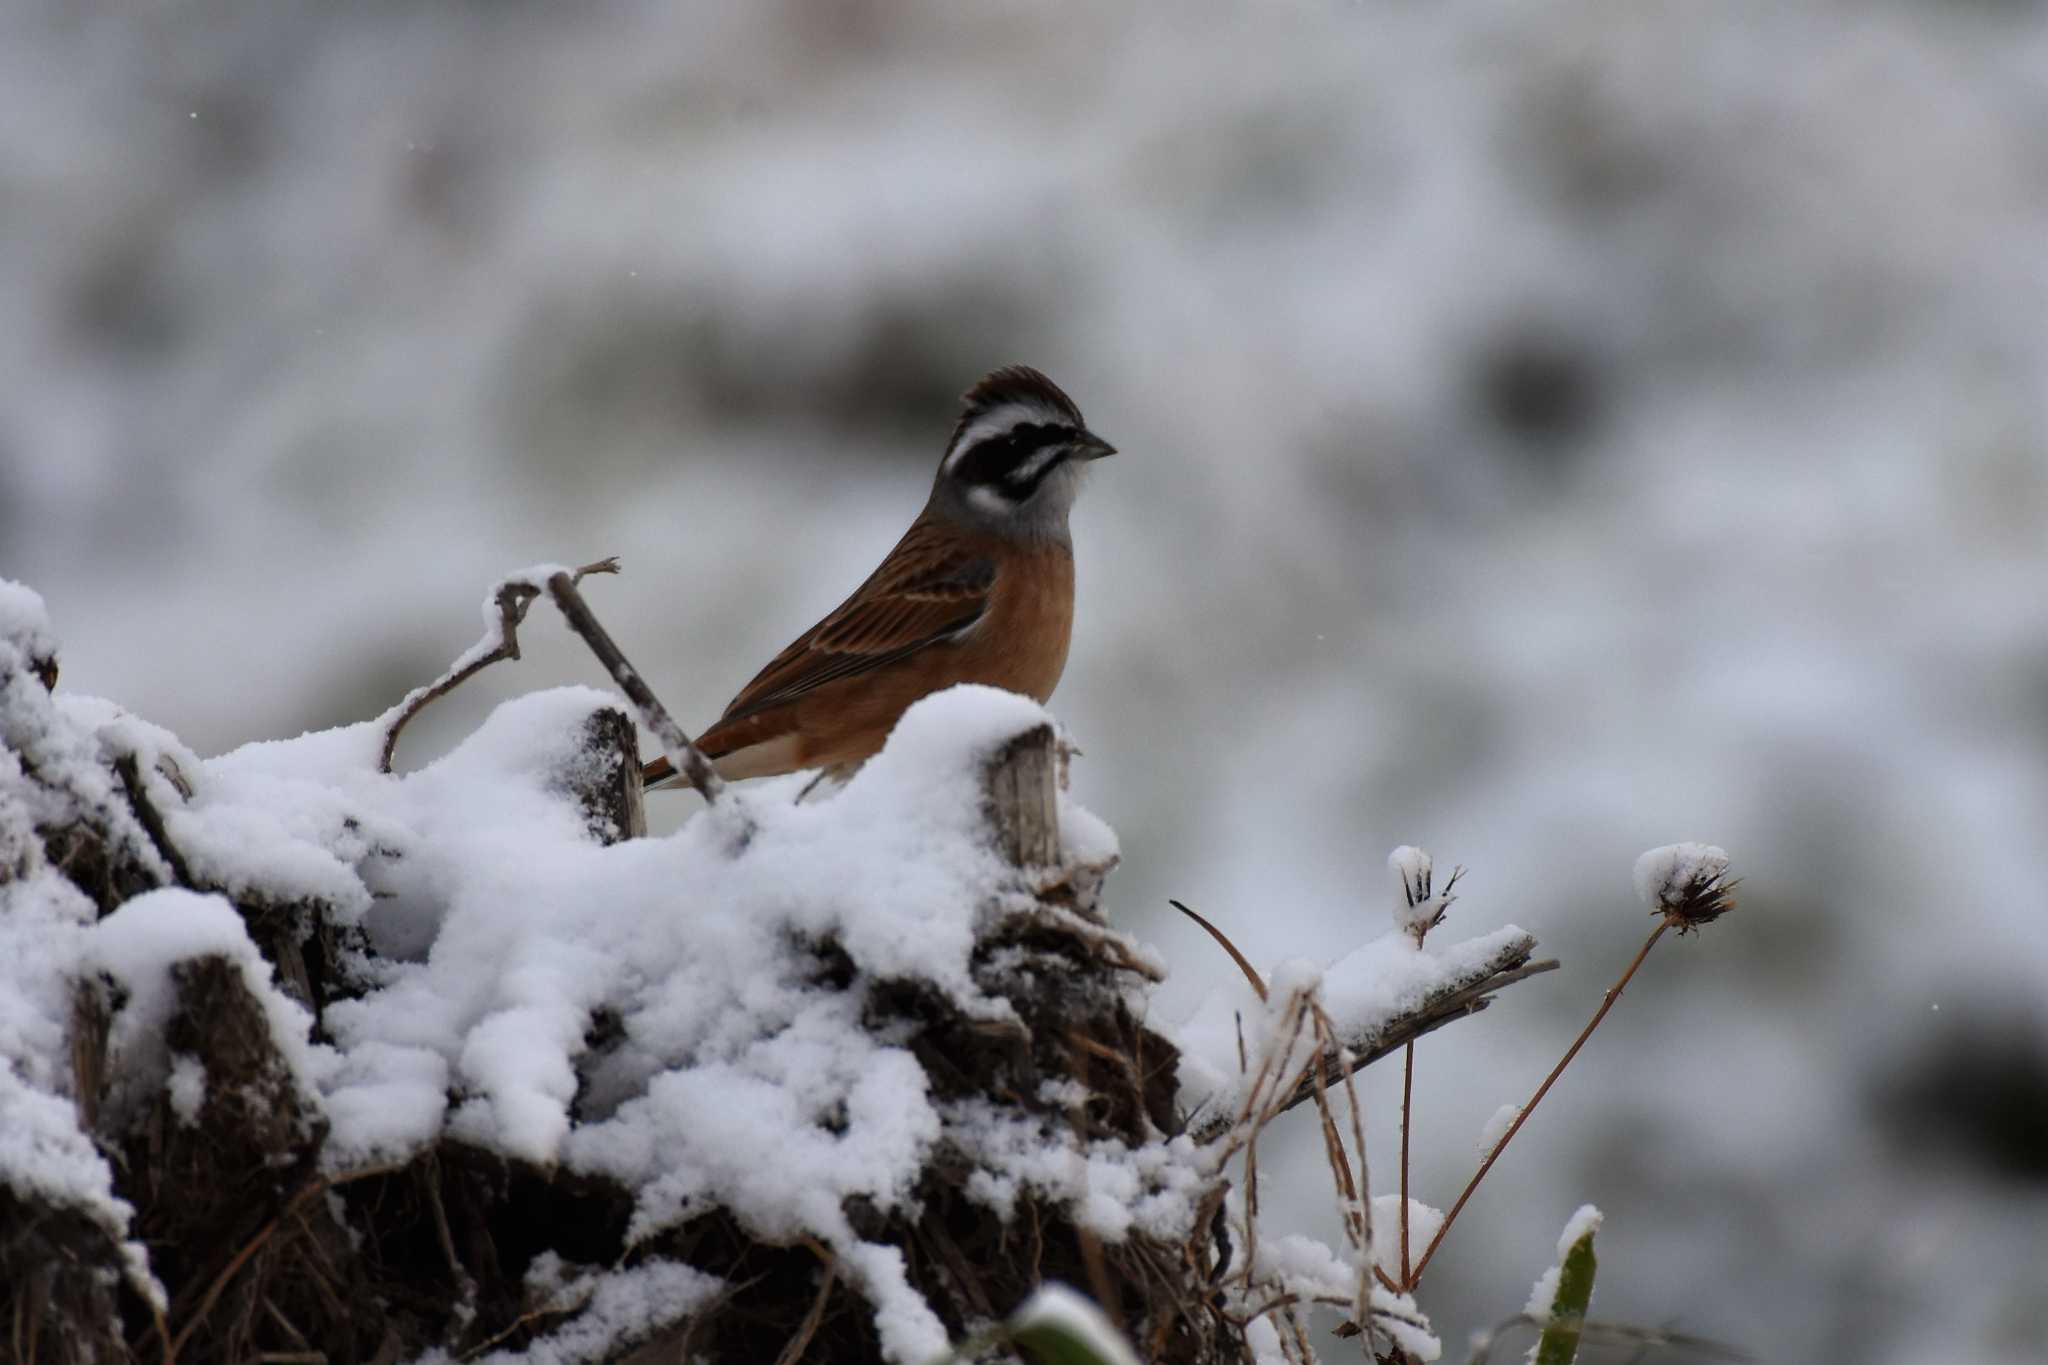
x: 90, y: 1021
x: 1023, y: 798
x: 604, y: 778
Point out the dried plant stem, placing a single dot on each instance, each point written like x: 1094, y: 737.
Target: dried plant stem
x: 1356, y: 1190
x: 1391, y: 1037
x: 512, y: 597
x: 685, y: 757
x: 1257, y: 983
x: 808, y: 1329
x: 1606, y: 1003
x: 1407, y: 1113
x: 319, y: 1185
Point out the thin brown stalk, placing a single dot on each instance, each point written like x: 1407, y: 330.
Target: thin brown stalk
x: 522, y: 1322
x: 684, y: 756
x: 1251, y: 1206
x: 1500, y: 1145
x: 235, y: 1263
x: 175, y: 1345
x: 1358, y: 1191
x: 1365, y: 1178
x: 1258, y: 983
x: 801, y: 1342
x: 1407, y: 1124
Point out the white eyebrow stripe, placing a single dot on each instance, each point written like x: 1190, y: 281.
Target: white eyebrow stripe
x: 1033, y: 467
x: 995, y: 422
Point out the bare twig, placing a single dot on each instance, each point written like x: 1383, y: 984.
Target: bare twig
x: 1428, y: 1019
x: 801, y: 1342
x: 1469, y: 993
x: 173, y: 1346
x: 430, y: 1178
x: 1606, y: 1003
x: 501, y: 642
x: 685, y: 757
x: 526, y: 1320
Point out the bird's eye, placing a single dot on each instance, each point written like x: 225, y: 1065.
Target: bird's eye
x: 1016, y: 460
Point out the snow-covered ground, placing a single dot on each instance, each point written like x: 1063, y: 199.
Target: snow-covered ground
x: 1547, y: 431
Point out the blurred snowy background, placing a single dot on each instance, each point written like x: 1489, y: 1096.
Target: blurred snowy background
x: 1549, y: 431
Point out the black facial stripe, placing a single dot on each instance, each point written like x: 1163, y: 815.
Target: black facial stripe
x: 999, y: 462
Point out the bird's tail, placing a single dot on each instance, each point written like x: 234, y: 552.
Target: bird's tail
x: 660, y: 775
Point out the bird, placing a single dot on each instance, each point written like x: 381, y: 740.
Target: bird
x: 980, y: 589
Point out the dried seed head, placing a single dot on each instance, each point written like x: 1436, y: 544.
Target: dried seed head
x: 1418, y: 909
x: 1687, y: 884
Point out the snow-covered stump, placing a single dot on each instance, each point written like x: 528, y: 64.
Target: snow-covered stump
x: 222, y: 1163
x: 304, y: 1057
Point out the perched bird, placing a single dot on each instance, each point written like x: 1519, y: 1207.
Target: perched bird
x: 980, y: 589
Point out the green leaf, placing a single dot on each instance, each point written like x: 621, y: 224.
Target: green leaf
x: 1560, y: 1342
x: 1057, y: 1343
x: 1058, y: 1327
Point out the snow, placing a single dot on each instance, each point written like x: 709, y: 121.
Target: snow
x: 138, y: 945
x: 1585, y: 1221
x: 46, y: 925
x: 1362, y: 992
x: 1305, y: 1267
x: 1423, y: 1221
x: 1497, y: 1125
x: 1543, y: 1294
x: 617, y: 1307
x: 25, y: 621
x: 1111, y: 1187
x: 187, y: 1084
x: 1663, y: 874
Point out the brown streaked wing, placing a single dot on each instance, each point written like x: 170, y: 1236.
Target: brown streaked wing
x: 928, y: 588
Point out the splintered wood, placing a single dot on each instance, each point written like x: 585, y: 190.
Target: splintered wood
x: 1023, y: 798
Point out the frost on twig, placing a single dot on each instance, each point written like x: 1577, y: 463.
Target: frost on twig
x: 1464, y: 989
x: 504, y: 610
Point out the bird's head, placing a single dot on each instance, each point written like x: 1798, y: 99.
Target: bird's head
x: 1015, y: 460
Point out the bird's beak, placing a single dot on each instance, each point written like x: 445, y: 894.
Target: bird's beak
x: 1092, y: 447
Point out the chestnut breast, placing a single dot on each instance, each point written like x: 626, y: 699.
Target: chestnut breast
x: 1019, y: 644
